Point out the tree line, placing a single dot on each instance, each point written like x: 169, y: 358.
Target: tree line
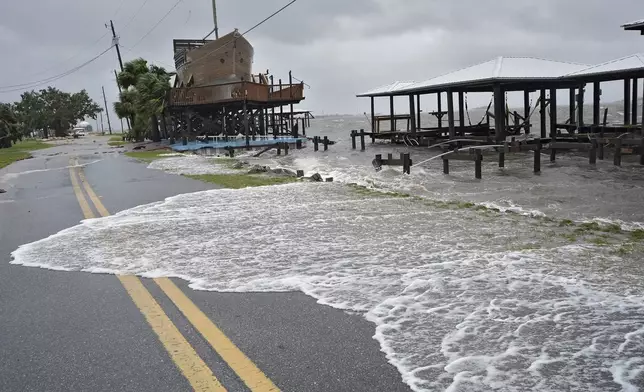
x: 143, y: 90
x: 48, y: 111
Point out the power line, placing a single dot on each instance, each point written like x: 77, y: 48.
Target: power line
x: 157, y: 24
x: 23, y: 86
x: 135, y: 14
x: 246, y: 32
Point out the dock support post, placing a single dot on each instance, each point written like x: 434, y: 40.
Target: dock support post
x: 298, y: 144
x: 391, y: 113
x: 445, y: 165
x: 279, y: 149
x: 553, y: 123
x: 542, y: 112
x: 478, y: 164
x: 373, y: 115
x: 627, y: 102
x: 326, y: 143
x: 580, y: 106
x: 596, y: 102
x: 537, y: 157
x: 526, y: 111
x: 600, y: 153
x: 635, y: 98
x: 450, y: 114
x: 593, y: 152
x: 286, y: 148
x: 362, y: 146
x: 412, y: 113
x: 571, y: 106
x: 406, y: 164
x: 418, y: 112
x: 461, y: 109
x: 353, y: 139
x: 316, y: 141
x: 618, y: 152
x: 439, y: 101
x: 502, y: 155
x: 499, y: 113
x: 642, y: 151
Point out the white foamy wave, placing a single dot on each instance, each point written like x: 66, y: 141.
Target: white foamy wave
x: 191, y: 165
x: 454, y: 307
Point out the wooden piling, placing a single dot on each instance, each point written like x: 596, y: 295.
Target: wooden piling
x: 502, y: 155
x: 362, y: 145
x: 418, y: 125
x: 635, y: 98
x: 642, y: 151
x: 593, y: 152
x: 580, y: 106
x: 571, y: 105
x: 412, y: 113
x: 406, y: 164
x: 279, y: 149
x: 326, y: 143
x: 316, y: 141
x: 392, y: 114
x: 445, y: 165
x: 353, y: 139
x: 461, y: 109
x: 600, y: 152
x: 526, y: 111
x: 542, y: 113
x: 450, y: 114
x: 298, y: 144
x: 499, y: 113
x: 373, y: 116
x: 553, y: 123
x: 286, y: 148
x: 478, y: 164
x: 537, y: 157
x: 627, y: 101
x: 439, y: 102
x: 618, y: 152
x: 596, y: 102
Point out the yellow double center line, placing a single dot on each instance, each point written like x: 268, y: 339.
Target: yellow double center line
x: 195, y: 370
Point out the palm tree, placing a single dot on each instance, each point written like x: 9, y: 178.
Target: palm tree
x: 9, y: 130
x: 144, y: 90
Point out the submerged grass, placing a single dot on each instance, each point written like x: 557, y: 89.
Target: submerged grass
x: 20, y: 151
x: 239, y: 181
x: 369, y: 192
x: 147, y: 156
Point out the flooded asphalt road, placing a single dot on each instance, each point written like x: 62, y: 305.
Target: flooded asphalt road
x: 80, y: 331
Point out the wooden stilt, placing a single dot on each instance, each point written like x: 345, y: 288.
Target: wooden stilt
x: 362, y: 145
x: 596, y: 102
x: 618, y: 152
x: 439, y: 102
x: 537, y: 157
x: 526, y: 112
x: 627, y: 102
x: 450, y: 114
x: 553, y: 123
x: 478, y: 164
x: 392, y: 114
x: 445, y: 166
x: 542, y: 112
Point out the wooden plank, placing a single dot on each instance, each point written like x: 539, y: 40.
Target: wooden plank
x: 570, y: 146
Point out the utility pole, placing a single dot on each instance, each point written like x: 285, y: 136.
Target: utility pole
x: 107, y: 113
x: 214, y: 16
x: 119, y: 86
x: 101, y: 122
x: 115, y: 42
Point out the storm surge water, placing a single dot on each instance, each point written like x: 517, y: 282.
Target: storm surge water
x: 513, y: 283
x: 462, y: 299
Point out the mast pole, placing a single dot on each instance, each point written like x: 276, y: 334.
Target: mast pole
x: 214, y: 16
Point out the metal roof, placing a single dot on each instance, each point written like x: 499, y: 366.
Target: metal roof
x: 387, y: 88
x: 632, y: 62
x: 499, y: 69
x: 636, y: 25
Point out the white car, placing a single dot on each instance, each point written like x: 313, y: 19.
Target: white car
x: 79, y: 132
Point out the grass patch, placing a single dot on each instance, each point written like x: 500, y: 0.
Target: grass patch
x: 368, y: 192
x: 522, y: 247
x: 625, y: 249
x: 570, y: 237
x: 239, y: 181
x: 116, y: 143
x: 566, y: 223
x: 20, y: 151
x: 147, y: 156
x: 116, y: 139
x: 637, y: 235
x: 600, y: 241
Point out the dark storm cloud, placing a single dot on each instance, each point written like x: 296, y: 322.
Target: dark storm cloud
x: 339, y: 47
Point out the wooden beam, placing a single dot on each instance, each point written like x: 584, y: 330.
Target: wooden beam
x: 526, y: 111
x: 596, y: 102
x: 461, y: 109
x: 542, y: 112
x: 391, y: 113
x: 553, y: 112
x: 412, y: 113
x: 580, y: 106
x: 571, y: 105
x: 373, y: 115
x: 627, y: 101
x: 499, y: 113
x: 440, y: 109
x: 635, y: 97
x: 450, y: 114
x: 418, y: 111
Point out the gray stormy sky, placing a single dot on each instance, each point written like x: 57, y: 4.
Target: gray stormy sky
x: 339, y: 47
